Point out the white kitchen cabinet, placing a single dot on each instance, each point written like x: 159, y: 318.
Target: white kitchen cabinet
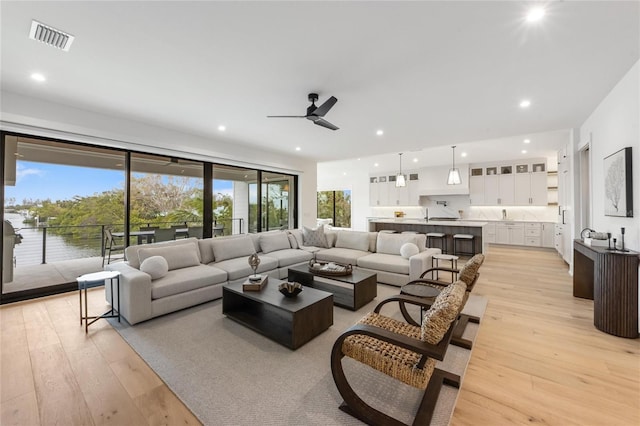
x: 383, y: 190
x: 531, y: 184
x: 489, y: 233
x: 547, y: 233
x: 533, y: 234
x: 510, y: 233
x: 413, y: 183
x: 374, y: 191
x: 499, y: 186
x: 476, y: 187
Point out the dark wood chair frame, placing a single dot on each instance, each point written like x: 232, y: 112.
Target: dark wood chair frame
x: 463, y: 319
x: 110, y: 246
x: 355, y: 406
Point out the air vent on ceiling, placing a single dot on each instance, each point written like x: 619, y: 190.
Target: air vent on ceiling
x: 50, y: 36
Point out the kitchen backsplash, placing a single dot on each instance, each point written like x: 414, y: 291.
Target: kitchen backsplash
x: 458, y: 206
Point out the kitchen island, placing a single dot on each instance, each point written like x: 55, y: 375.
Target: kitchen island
x: 447, y: 227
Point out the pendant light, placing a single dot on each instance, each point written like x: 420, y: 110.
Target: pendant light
x: 400, y: 180
x: 454, y: 173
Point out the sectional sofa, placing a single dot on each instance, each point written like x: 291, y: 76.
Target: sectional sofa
x: 165, y: 277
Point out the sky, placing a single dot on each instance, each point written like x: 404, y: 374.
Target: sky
x: 55, y: 182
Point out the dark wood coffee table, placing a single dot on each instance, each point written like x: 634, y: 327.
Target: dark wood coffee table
x: 291, y: 322
x: 349, y: 291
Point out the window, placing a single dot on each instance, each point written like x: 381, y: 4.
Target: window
x: 335, y: 205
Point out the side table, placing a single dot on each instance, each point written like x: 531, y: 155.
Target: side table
x: 450, y: 257
x: 97, y: 277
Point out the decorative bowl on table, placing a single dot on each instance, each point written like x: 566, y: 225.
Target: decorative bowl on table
x: 290, y: 289
x: 329, y: 268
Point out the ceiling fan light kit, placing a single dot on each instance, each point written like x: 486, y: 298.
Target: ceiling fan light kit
x: 400, y: 178
x: 454, y: 173
x: 315, y: 113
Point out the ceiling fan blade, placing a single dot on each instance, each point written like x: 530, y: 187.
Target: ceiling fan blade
x: 324, y: 123
x: 325, y: 107
x: 286, y: 116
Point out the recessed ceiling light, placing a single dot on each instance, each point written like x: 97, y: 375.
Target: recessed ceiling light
x: 526, y: 103
x: 358, y: 159
x: 222, y: 128
x: 464, y: 154
x: 526, y: 141
x: 535, y: 14
x: 415, y: 160
x: 379, y: 132
x: 344, y: 173
x: 524, y: 151
x: 375, y: 164
x: 38, y: 77
x: 298, y: 148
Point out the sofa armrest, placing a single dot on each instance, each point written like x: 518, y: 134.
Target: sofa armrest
x: 421, y: 262
x: 135, y: 292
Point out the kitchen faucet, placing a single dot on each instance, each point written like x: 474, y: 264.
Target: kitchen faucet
x: 426, y: 214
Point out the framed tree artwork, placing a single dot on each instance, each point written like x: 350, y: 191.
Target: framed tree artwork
x: 618, y: 186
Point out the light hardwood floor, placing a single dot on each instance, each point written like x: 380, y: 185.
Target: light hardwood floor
x: 537, y: 359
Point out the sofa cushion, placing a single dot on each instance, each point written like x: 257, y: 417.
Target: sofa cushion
x: 292, y: 241
x: 355, y: 240
x: 385, y: 262
x: 230, y: 248
x: 206, y: 250
x: 409, y: 249
x: 238, y: 267
x: 177, y: 256
x: 290, y: 257
x: 131, y: 252
x: 373, y: 239
x: 297, y: 234
x: 155, y: 266
x: 340, y: 255
x: 276, y: 241
x: 391, y: 243
x: 314, y: 237
x: 187, y: 279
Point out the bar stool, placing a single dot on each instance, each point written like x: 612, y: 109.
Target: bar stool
x: 437, y: 236
x: 449, y: 257
x: 464, y: 237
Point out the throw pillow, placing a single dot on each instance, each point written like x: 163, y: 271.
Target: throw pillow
x: 409, y: 249
x: 177, y: 256
x: 156, y: 266
x: 355, y: 240
x: 274, y: 242
x: 391, y: 243
x: 314, y: 237
x: 230, y: 248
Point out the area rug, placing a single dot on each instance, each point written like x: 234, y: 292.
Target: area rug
x: 228, y: 374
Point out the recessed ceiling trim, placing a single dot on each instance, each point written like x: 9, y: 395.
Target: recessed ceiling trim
x: 50, y: 36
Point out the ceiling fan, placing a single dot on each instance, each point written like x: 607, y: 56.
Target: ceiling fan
x: 315, y: 113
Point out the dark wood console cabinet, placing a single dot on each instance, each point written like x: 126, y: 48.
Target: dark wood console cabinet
x: 610, y: 278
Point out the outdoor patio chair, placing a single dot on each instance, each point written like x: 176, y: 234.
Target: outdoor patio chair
x: 195, y: 231
x: 469, y: 275
x: 164, y: 235
x: 218, y: 230
x: 110, y: 246
x: 402, y: 351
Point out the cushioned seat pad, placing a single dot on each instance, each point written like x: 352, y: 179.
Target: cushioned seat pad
x: 392, y: 360
x: 385, y: 262
x: 340, y: 255
x: 186, y: 279
x: 239, y: 267
x: 290, y: 257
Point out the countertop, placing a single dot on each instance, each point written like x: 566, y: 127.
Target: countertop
x: 477, y: 224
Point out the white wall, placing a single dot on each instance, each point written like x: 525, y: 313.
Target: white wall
x: 41, y: 118
x: 614, y: 125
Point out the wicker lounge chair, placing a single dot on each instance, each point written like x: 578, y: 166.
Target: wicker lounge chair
x: 469, y: 275
x: 403, y: 351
